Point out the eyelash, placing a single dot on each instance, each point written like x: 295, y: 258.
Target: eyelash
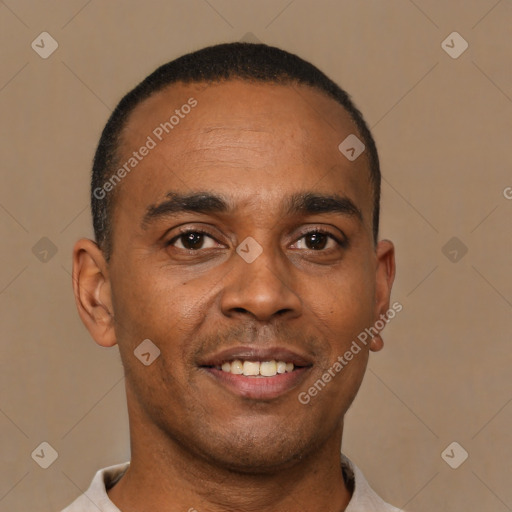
x: 342, y: 243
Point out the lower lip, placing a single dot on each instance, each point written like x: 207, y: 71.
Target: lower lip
x: 258, y: 387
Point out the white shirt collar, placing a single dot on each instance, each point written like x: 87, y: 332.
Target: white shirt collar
x: 95, y: 499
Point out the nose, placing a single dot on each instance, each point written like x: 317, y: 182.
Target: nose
x: 262, y: 289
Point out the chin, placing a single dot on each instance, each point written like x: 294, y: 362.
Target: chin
x: 256, y: 462
x: 255, y: 451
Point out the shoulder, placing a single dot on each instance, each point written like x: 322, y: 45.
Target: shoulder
x: 95, y: 498
x: 364, y: 498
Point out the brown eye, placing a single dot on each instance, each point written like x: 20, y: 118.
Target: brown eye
x: 319, y: 240
x: 316, y: 241
x: 191, y: 240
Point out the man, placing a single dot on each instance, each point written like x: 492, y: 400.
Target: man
x: 235, y: 200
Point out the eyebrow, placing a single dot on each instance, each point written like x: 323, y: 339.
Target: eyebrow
x: 301, y: 203
x: 311, y: 203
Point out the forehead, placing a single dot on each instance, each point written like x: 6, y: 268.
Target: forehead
x: 239, y: 104
x: 242, y: 137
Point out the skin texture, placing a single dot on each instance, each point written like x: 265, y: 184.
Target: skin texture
x: 254, y: 144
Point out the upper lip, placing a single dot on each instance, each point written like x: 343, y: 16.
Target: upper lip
x: 252, y: 353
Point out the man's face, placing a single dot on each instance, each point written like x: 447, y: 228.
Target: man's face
x: 304, y: 299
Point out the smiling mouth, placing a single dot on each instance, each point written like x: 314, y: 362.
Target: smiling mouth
x: 256, y: 368
x: 256, y: 372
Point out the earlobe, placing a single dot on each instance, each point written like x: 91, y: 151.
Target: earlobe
x: 92, y: 291
x: 384, y: 277
x: 377, y: 343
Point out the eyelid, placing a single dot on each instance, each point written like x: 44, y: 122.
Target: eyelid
x: 186, y: 230
x: 341, y: 241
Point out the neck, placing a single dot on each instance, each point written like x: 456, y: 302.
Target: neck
x: 164, y: 476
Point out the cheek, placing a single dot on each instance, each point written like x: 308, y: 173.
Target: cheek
x: 159, y: 305
x: 342, y: 304
x: 164, y: 312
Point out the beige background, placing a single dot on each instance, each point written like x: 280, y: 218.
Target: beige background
x: 443, y: 127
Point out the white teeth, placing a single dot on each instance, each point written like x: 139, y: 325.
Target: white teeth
x: 268, y: 368
x: 236, y: 367
x: 251, y: 368
x: 254, y: 368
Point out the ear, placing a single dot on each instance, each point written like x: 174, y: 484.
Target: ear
x: 384, y: 277
x: 91, y: 286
